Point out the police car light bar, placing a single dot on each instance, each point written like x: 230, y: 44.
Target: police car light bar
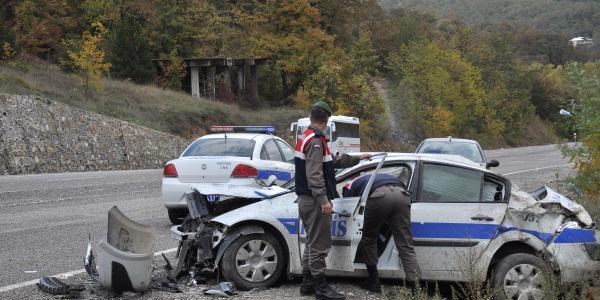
x: 253, y: 129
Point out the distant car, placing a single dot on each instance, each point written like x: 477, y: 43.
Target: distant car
x: 239, y: 156
x: 469, y: 149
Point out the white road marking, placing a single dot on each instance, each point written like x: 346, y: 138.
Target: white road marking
x: 536, y: 169
x: 63, y: 275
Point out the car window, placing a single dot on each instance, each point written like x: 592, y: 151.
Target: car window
x: 221, y: 147
x: 492, y: 191
x: 288, y: 153
x: 270, y: 151
x: 467, y: 150
x: 442, y: 183
x: 404, y: 172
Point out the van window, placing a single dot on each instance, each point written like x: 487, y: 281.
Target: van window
x: 346, y: 130
x: 302, y: 129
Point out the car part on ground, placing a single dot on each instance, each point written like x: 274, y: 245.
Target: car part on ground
x: 225, y: 289
x: 124, y: 260
x: 55, y: 286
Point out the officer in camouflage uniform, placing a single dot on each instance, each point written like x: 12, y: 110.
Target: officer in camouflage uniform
x: 315, y: 187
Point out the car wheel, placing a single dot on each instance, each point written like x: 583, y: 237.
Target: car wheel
x: 253, y: 261
x: 177, y: 215
x: 519, y: 276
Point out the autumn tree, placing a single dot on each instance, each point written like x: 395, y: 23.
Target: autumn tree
x: 364, y: 56
x: 447, y: 93
x: 89, y: 60
x: 289, y: 33
x: 130, y: 55
x: 585, y: 79
x: 174, y: 71
x: 40, y: 25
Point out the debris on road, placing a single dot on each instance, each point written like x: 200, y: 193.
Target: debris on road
x: 225, y: 289
x: 55, y: 286
x: 125, y: 258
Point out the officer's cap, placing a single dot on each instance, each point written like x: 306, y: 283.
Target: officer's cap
x: 324, y: 106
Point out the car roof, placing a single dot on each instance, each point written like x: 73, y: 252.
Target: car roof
x: 345, y: 119
x: 455, y: 160
x: 247, y: 136
x: 457, y: 140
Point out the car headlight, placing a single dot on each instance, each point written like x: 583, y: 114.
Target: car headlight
x: 570, y: 224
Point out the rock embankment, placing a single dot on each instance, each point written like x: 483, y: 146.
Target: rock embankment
x: 42, y: 136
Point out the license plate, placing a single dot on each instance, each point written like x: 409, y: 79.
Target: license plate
x: 213, y: 198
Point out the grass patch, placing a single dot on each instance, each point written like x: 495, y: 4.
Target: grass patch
x: 164, y: 110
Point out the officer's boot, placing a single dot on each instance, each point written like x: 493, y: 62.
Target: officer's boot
x: 308, y: 285
x: 372, y: 284
x: 325, y: 292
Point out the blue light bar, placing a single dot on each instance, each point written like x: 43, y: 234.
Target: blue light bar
x: 253, y: 129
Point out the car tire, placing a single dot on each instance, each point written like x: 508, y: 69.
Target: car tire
x: 253, y: 261
x: 176, y: 215
x: 519, y: 274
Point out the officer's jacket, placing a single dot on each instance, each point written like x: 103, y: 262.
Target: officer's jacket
x: 315, y: 166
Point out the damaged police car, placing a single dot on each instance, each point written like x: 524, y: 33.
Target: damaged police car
x: 468, y: 224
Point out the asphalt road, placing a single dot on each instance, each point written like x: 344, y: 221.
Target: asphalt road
x: 45, y: 219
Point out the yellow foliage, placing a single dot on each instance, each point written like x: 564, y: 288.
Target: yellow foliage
x: 174, y: 71
x: 301, y: 99
x: 89, y: 61
x: 439, y: 121
x: 7, y: 52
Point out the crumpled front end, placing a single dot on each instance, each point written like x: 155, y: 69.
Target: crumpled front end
x: 562, y: 228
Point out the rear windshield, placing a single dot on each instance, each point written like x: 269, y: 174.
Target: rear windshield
x: 468, y: 150
x: 221, y: 147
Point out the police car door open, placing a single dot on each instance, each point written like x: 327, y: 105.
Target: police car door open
x: 346, y: 229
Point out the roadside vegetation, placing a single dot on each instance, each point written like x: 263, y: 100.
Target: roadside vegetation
x: 502, y: 84
x: 493, y: 83
x: 147, y: 105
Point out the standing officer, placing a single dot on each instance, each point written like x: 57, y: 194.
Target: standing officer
x: 315, y: 187
x: 389, y: 203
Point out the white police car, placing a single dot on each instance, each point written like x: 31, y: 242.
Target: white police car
x: 468, y: 224
x: 466, y: 148
x: 236, y: 156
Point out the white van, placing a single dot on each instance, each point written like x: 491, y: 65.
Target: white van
x: 342, y: 132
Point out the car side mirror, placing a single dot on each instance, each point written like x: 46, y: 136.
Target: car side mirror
x: 492, y: 164
x: 271, y: 180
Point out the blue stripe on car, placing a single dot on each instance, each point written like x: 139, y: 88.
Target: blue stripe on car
x: 475, y: 231
x: 572, y: 235
x: 281, y: 175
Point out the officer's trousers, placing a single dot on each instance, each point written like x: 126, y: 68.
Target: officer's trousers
x: 390, y: 205
x: 318, y: 234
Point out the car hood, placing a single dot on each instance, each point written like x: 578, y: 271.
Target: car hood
x: 545, y: 200
x: 238, y: 191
